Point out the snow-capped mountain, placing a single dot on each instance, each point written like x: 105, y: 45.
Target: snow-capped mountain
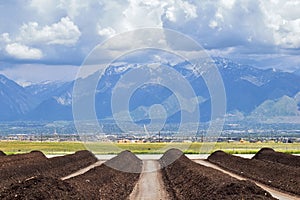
x: 55, y: 101
x: 14, y: 100
x: 249, y: 90
x: 48, y: 89
x: 247, y: 87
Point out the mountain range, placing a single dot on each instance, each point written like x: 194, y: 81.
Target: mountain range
x: 249, y: 91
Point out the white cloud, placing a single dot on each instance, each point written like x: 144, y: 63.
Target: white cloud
x: 107, y: 32
x: 50, y: 9
x: 282, y: 18
x: 228, y: 3
x: 73, y: 8
x: 20, y: 51
x: 138, y: 14
x: 43, y: 7
x: 142, y: 14
x: 243, y: 26
x: 170, y: 14
x: 213, y: 24
x: 64, y: 32
x: 5, y: 38
x: 179, y: 11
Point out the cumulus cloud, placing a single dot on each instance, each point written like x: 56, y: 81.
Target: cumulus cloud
x: 240, y: 29
x: 178, y: 11
x: 64, y: 32
x: 107, y: 32
x: 20, y: 51
x: 124, y: 16
x: 283, y: 19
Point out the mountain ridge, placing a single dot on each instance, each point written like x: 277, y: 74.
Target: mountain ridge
x: 247, y: 88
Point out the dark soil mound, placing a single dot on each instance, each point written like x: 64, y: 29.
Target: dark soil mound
x: 101, y: 182
x: 13, y: 159
x: 277, y: 175
x: 15, y: 168
x: 64, y: 165
x: 170, y: 156
x: 22, y: 166
x: 271, y: 155
x: 2, y: 153
x: 40, y: 188
x: 126, y: 162
x: 104, y: 182
x: 185, y: 179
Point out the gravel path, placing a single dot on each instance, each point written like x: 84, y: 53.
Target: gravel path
x: 150, y: 185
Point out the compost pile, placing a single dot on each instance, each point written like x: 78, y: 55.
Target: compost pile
x: 109, y: 182
x: 278, y: 157
x: 64, y: 165
x: 102, y: 182
x: 281, y: 176
x: 16, y: 168
x: 185, y: 179
x: 41, y: 188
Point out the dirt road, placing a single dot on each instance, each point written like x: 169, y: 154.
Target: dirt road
x: 277, y: 194
x: 82, y: 171
x: 150, y: 184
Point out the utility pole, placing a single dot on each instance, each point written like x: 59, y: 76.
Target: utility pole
x: 159, y: 136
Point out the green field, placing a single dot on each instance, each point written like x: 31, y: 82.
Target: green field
x: 12, y: 147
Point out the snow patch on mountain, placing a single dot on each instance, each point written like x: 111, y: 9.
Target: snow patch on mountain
x: 253, y: 79
x: 65, y: 99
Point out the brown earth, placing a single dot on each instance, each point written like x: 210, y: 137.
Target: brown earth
x: 64, y: 165
x: 102, y: 182
x: 278, y: 157
x: 105, y: 182
x: 41, y: 188
x: 16, y: 168
x: 277, y: 175
x: 2, y: 153
x: 16, y: 158
x: 185, y: 179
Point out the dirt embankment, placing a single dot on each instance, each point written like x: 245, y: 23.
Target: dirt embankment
x: 278, y: 157
x: 107, y: 181
x: 185, y: 179
x: 2, y: 153
x: 16, y: 168
x: 274, y: 174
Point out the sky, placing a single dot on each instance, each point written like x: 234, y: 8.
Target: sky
x: 49, y: 39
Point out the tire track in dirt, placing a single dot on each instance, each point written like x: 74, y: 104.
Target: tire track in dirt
x: 150, y: 185
x: 275, y: 193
